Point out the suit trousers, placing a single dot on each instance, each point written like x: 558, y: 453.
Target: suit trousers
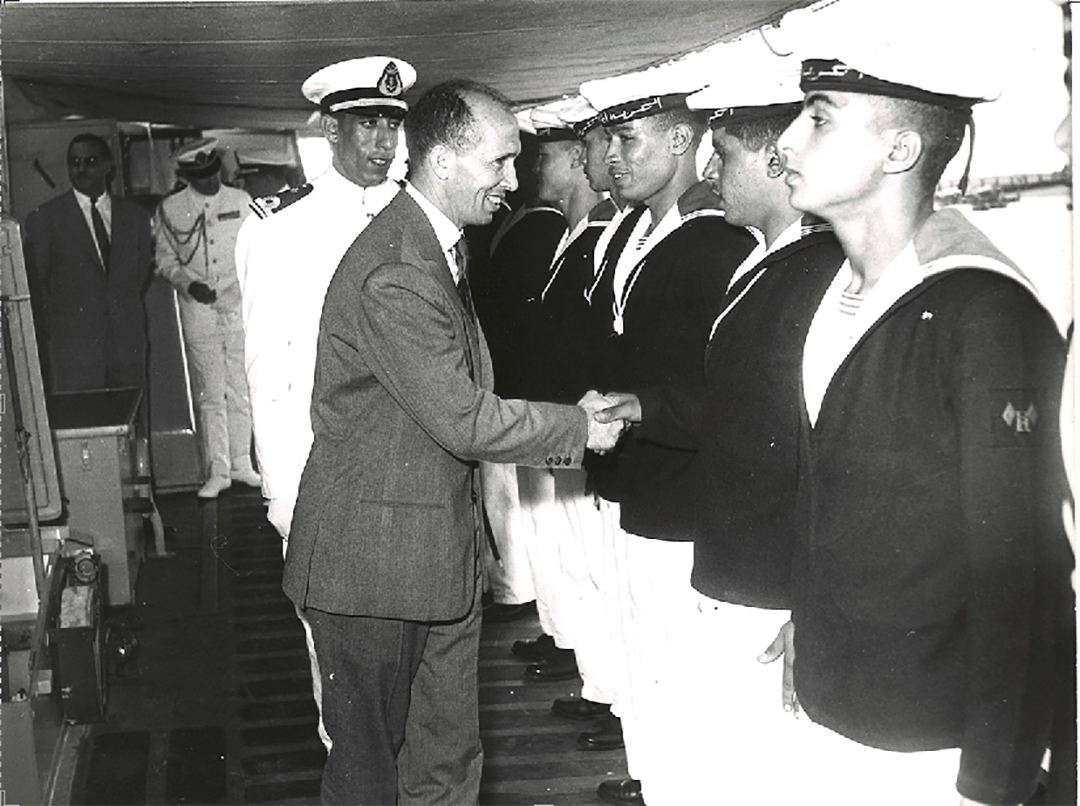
x: 79, y: 365
x: 400, y: 704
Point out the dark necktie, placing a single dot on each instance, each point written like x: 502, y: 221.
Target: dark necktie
x: 100, y: 233
x: 461, y: 257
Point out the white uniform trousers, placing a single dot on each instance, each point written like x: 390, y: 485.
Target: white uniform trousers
x: 313, y: 663
x: 736, y: 745
x: 614, y: 544
x: 727, y: 735
x: 509, y: 576
x: 656, y: 604
x: 536, y: 492
x: 214, y: 342
x: 590, y: 583
x: 835, y: 770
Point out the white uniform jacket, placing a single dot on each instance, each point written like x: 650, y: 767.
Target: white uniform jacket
x: 285, y: 262
x: 195, y: 241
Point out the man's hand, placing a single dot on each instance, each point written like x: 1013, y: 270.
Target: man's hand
x: 784, y: 645
x: 201, y: 292
x: 602, y: 436
x: 593, y: 402
x: 626, y: 406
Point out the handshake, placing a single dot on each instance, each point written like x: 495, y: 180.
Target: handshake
x: 609, y: 415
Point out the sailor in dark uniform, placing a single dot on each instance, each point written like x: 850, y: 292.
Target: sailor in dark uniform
x: 745, y: 424
x: 562, y: 344
x: 663, y: 277
x: 931, y: 572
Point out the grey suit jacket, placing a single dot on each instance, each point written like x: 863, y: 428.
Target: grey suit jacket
x: 388, y: 521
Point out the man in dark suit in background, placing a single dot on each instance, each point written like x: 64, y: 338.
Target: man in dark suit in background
x: 88, y: 260
x: 385, y: 551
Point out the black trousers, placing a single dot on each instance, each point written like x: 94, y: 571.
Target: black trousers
x: 400, y: 703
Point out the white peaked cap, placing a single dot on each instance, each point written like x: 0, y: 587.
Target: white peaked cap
x: 372, y: 83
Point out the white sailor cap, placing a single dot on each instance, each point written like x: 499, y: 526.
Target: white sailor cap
x: 265, y: 156
x: 372, y: 85
x: 524, y: 121
x: 198, y: 159
x: 549, y: 126
x: 766, y: 91
x: 932, y: 52
x: 580, y: 115
x: 631, y: 96
x: 250, y: 161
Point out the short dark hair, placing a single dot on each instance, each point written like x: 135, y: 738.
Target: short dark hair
x: 442, y: 116
x: 694, y: 118
x: 941, y: 129
x: 88, y: 137
x: 759, y: 133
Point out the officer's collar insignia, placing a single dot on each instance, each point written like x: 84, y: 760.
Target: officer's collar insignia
x: 390, y: 81
x: 267, y: 205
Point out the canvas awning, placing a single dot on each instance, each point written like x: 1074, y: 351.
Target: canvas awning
x: 217, y: 63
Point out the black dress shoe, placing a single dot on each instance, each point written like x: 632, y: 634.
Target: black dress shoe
x: 499, y: 613
x: 606, y: 736
x: 536, y: 650
x: 559, y: 665
x: 579, y: 708
x: 628, y: 790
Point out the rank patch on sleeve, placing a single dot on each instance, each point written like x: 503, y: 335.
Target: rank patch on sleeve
x: 1016, y: 417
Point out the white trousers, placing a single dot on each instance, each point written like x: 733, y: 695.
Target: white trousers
x: 724, y: 721
x: 214, y: 341
x: 656, y: 604
x: 313, y: 663
x: 736, y: 745
x: 588, y: 585
x: 543, y: 545
x: 602, y: 659
x: 835, y: 770
x: 509, y: 576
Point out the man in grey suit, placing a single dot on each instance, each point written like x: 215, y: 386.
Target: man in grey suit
x: 385, y: 552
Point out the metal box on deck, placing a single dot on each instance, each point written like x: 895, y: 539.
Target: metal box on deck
x: 94, y: 434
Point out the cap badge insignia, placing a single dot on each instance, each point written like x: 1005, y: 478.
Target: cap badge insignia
x: 390, y: 81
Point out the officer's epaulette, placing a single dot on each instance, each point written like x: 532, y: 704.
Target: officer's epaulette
x: 265, y: 206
